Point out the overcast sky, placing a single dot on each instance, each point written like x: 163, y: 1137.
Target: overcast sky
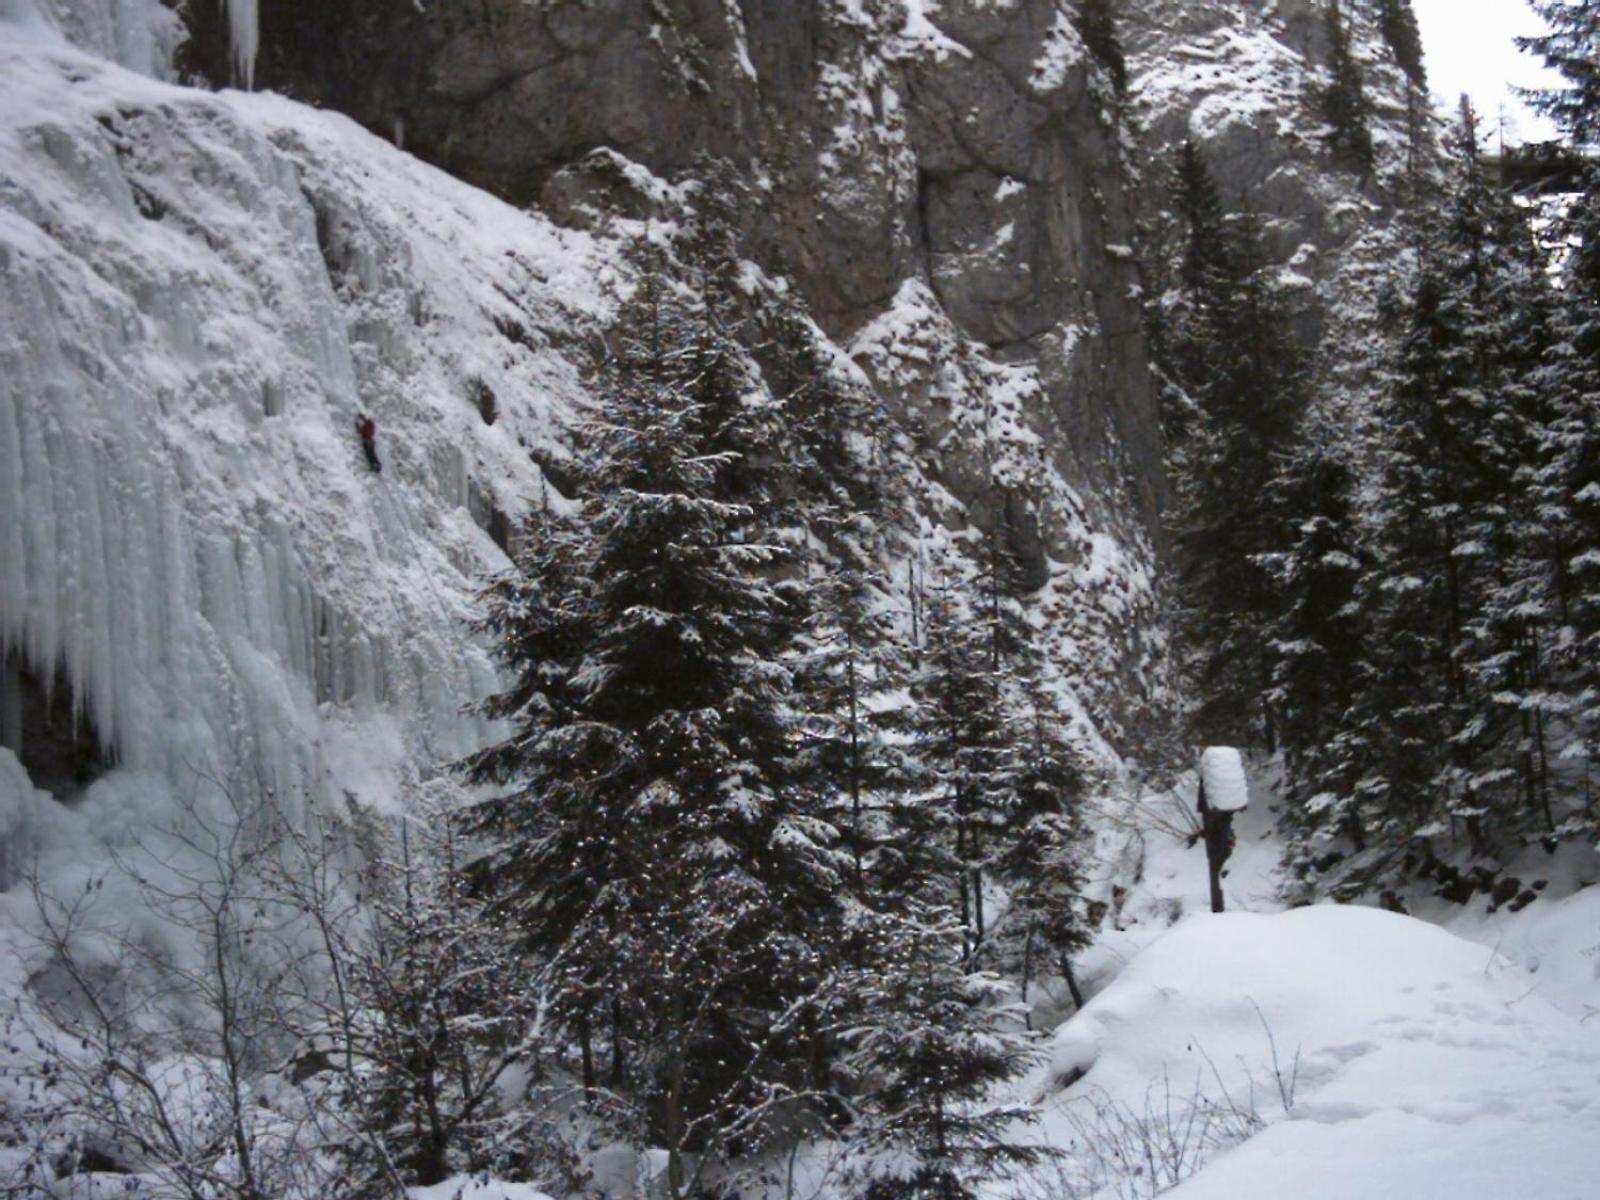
x: 1469, y: 49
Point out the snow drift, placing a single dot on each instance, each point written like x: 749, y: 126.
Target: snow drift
x: 1384, y: 1056
x: 1223, y: 777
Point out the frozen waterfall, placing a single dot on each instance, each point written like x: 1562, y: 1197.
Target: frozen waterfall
x: 198, y: 294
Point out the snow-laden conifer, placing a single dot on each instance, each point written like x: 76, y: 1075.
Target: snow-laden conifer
x: 658, y: 840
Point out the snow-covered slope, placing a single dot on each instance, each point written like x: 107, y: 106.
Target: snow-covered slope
x: 1353, y: 1052
x: 198, y: 294
x: 1325, y: 1051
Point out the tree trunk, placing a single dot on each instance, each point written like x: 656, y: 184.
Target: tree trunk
x: 619, y: 1066
x: 1071, y: 977
x: 586, y: 1045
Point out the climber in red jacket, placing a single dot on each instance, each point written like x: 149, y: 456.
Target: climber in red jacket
x: 368, y: 430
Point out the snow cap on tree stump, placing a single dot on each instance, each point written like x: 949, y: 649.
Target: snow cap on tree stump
x: 1222, y: 776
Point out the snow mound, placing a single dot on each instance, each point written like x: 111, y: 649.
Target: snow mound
x: 471, y: 1187
x: 1378, y: 1055
x: 1222, y: 775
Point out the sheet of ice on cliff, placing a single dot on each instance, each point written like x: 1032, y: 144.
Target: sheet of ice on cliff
x: 197, y: 294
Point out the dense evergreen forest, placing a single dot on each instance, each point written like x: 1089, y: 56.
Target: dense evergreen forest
x: 1390, y: 582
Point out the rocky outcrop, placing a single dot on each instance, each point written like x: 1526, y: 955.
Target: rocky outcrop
x: 943, y: 183
x: 1241, y: 78
x: 967, y: 145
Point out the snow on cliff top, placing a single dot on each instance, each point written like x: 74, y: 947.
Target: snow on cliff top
x: 1353, y: 1052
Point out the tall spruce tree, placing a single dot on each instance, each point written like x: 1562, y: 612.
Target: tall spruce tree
x: 1502, y: 278
x: 855, y: 731
x: 1345, y: 104
x: 1232, y: 357
x: 660, y: 844
x: 962, y: 741
x: 1397, y: 21
x: 1568, y: 483
x: 1458, y: 598
x: 1042, y: 864
x: 1318, y: 643
x: 992, y: 799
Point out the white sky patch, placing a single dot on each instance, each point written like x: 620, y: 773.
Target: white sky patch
x: 1470, y: 48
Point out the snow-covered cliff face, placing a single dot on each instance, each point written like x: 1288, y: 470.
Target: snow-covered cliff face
x: 1241, y: 79
x: 963, y: 143
x: 199, y: 292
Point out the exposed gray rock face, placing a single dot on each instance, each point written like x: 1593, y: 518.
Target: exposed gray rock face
x: 956, y: 171
x: 1241, y: 78
x: 969, y: 148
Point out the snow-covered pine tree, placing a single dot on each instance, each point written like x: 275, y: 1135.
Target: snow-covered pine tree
x: 1043, y: 862
x: 1344, y: 102
x: 1571, y: 48
x: 837, y: 439
x: 1413, y: 693
x: 1397, y: 21
x: 1318, y: 641
x: 1515, y: 632
x: 659, y: 846
x: 962, y: 745
x: 1459, y: 598
x: 1568, y: 484
x: 1231, y: 356
x: 937, y: 1040
x: 850, y: 673
x: 1003, y: 784
x: 1501, y: 277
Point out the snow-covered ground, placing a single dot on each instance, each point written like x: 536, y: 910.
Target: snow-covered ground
x: 1327, y: 1051
x: 1379, y: 1055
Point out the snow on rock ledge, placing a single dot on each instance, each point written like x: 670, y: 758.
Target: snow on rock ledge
x: 1418, y: 1064
x: 198, y: 293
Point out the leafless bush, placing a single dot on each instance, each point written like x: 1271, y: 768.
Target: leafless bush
x: 1115, y: 1149
x: 249, y: 1010
x: 1131, y: 1153
x: 146, y: 1025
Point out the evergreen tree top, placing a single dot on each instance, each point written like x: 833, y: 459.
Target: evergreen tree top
x: 1572, y: 50
x: 1398, y: 23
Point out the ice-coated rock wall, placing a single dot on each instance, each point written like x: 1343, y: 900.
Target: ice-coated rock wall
x: 966, y: 143
x: 138, y: 34
x: 198, y: 294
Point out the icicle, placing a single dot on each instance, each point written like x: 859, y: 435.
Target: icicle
x: 244, y: 40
